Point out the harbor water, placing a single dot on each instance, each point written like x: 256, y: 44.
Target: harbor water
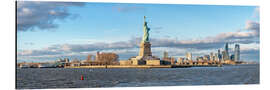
x: 39, y: 78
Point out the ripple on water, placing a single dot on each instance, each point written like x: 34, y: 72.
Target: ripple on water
x: 35, y: 78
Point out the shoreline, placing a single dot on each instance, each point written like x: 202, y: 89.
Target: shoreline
x: 143, y: 66
x: 140, y: 66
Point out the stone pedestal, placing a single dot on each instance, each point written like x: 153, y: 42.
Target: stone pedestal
x: 145, y: 49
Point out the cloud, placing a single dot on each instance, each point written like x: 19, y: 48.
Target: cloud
x: 254, y: 27
x: 249, y: 36
x: 42, y: 15
x: 38, y: 52
x: 200, y: 44
x: 248, y: 51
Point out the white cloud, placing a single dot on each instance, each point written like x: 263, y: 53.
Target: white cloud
x: 34, y: 14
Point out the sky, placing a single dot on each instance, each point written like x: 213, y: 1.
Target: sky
x: 47, y: 31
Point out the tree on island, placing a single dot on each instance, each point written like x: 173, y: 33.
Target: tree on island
x: 107, y: 58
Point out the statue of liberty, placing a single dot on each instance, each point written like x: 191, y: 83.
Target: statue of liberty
x: 146, y: 32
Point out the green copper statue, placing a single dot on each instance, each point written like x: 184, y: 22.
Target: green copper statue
x: 146, y: 31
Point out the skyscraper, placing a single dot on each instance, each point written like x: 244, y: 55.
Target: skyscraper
x: 219, y: 55
x: 232, y: 57
x: 237, y: 52
x: 226, y: 54
x: 216, y: 58
x: 227, y: 48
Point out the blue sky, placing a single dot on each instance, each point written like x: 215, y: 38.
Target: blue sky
x: 81, y: 25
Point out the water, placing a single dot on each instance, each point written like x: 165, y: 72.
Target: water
x: 36, y: 78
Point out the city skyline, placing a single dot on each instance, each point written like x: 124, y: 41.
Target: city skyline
x: 79, y: 29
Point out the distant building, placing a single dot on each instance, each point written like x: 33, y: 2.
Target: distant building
x: 180, y: 60
x: 216, y: 57
x: 172, y: 60
x: 89, y: 57
x: 97, y: 54
x: 167, y: 60
x: 226, y: 55
x: 227, y: 48
x: 199, y: 58
x: 232, y: 57
x: 206, y: 57
x: 223, y: 55
x: 237, y: 52
x: 212, y: 56
x: 138, y: 62
x: 75, y: 61
x: 66, y: 60
x: 219, y: 55
x: 189, y: 56
x: 165, y: 54
x: 153, y: 62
